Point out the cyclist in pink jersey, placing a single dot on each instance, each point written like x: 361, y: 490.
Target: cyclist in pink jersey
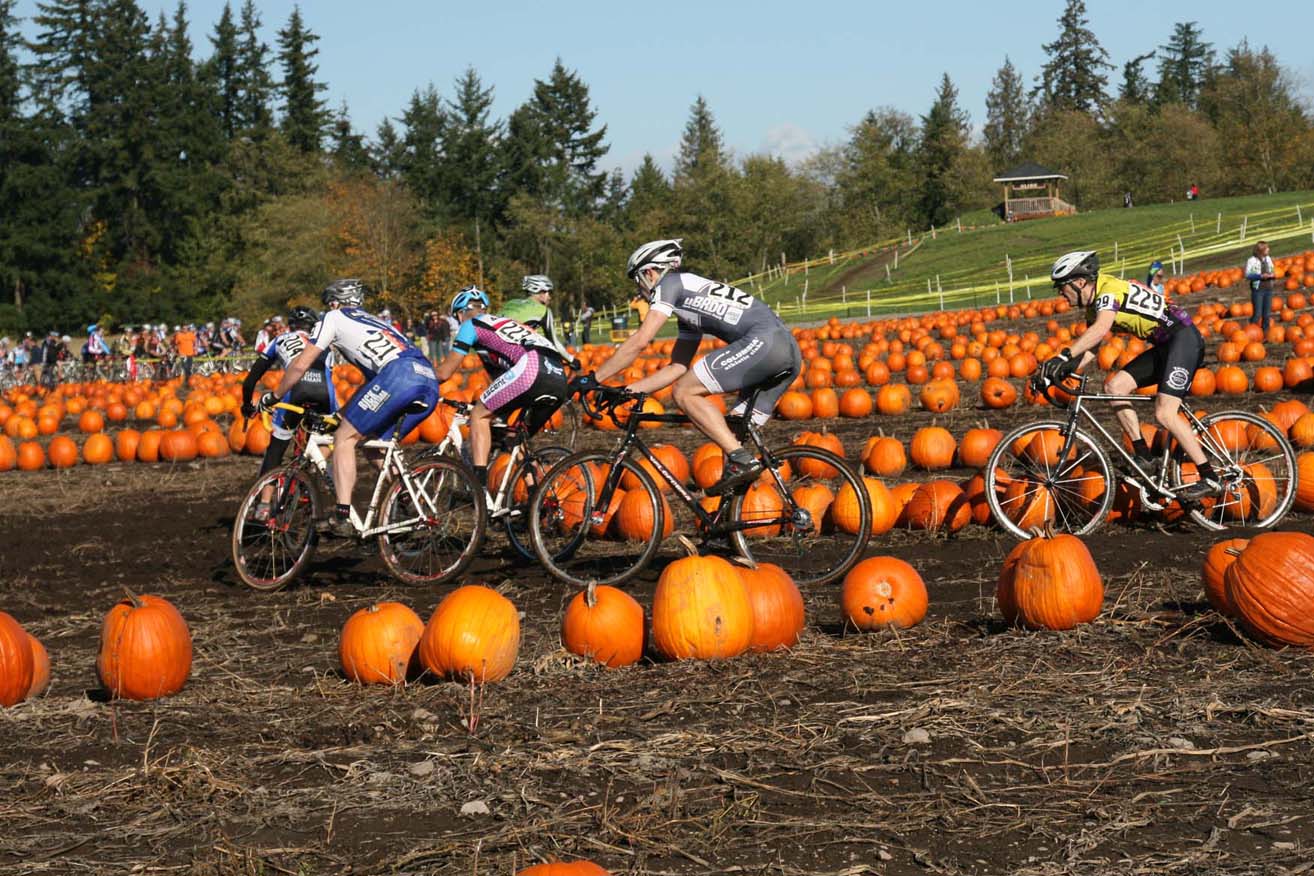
x: 528, y: 372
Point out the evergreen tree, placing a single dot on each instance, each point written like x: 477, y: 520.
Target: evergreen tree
x: 1186, y: 63
x: 1006, y: 117
x: 62, y: 55
x: 700, y: 145
x: 1135, y: 87
x: 560, y: 111
x: 524, y: 153
x: 223, y: 70
x: 1073, y: 77
x: 304, y: 115
x: 386, y: 151
x: 649, y: 189
x: 255, y: 117
x: 348, y: 146
x: 420, y: 159
x: 470, y: 146
x: 943, y: 140
x: 876, y: 177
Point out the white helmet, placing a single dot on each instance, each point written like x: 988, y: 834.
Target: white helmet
x: 536, y: 284
x: 664, y: 255
x: 1071, y: 265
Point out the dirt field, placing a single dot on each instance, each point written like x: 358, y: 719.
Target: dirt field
x: 1152, y: 741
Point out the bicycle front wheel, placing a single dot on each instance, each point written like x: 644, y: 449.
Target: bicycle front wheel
x: 274, y: 532
x: 1257, y: 466
x: 787, y: 531
x: 578, y: 540
x: 1038, y: 476
x: 433, y: 521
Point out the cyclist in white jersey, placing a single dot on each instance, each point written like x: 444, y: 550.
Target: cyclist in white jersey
x: 760, y: 347
x: 400, y: 385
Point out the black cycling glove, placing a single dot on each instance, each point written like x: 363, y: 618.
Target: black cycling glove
x: 248, y: 409
x: 1060, y: 365
x: 584, y: 383
x: 267, y: 401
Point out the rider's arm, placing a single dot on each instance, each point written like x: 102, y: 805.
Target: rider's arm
x: 253, y: 377
x: 627, y: 352
x: 467, y: 337
x: 296, y: 368
x: 681, y: 356
x: 449, y: 366
x: 550, y: 332
x: 1094, y: 334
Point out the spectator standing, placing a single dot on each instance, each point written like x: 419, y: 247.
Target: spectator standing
x: 586, y: 321
x: 1260, y: 273
x: 184, y: 344
x: 453, y: 326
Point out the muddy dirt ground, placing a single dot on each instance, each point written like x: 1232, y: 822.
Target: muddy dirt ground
x: 1153, y: 741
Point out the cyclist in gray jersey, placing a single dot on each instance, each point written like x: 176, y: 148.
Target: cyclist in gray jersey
x: 759, y: 346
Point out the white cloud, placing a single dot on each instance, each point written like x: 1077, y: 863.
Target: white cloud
x: 790, y: 142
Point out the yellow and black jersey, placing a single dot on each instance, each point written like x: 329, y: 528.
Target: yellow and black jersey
x: 1138, y: 309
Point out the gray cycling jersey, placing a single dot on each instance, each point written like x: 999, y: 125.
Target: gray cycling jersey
x: 706, y: 306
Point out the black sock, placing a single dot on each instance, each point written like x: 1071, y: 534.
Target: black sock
x: 342, y: 512
x: 1206, y: 471
x: 481, y: 475
x: 1140, y: 448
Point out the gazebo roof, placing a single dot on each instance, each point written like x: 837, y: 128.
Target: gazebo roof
x: 1028, y: 171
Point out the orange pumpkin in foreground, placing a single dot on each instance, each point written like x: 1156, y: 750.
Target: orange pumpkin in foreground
x: 1050, y: 582
x: 564, y: 868
x: 1271, y: 585
x: 145, y: 649
x: 701, y: 610
x: 15, y: 661
x: 473, y: 633
x: 605, y: 624
x: 883, y: 592
x: 777, y: 607
x: 380, y: 643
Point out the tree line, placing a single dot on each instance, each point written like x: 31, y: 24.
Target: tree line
x: 140, y: 183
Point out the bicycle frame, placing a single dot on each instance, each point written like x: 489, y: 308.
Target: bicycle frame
x: 454, y: 439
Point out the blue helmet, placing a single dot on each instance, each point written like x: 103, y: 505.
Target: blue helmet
x: 468, y: 296
x: 1155, y: 267
x: 91, y: 328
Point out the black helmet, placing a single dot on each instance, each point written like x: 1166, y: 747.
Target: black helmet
x: 347, y: 292
x: 302, y: 318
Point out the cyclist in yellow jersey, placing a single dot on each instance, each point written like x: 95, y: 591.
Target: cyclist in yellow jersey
x: 1178, y: 350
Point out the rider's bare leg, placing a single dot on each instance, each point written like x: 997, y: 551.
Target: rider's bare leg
x: 691, y: 396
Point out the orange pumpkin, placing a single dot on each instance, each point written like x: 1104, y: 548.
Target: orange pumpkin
x: 885, y: 456
x: 30, y: 456
x: 846, y: 513
x: 40, y: 668
x: 604, y: 624
x: 380, y: 644
x: 98, y: 449
x: 145, y: 649
x: 932, y: 448
x: 977, y: 445
x: 16, y: 666
x: 938, y: 505
x: 474, y: 633
x: 701, y: 610
x: 883, y: 592
x: 1216, y: 563
x: 125, y: 445
x: 1050, y: 582
x: 564, y: 868
x: 178, y: 445
x: 816, y: 499
x: 777, y: 607
x: 63, y: 452
x: 634, y: 517
x: 1271, y: 585
x: 814, y: 468
x: 855, y: 403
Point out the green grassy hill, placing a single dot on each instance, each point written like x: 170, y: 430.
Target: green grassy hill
x: 971, y: 268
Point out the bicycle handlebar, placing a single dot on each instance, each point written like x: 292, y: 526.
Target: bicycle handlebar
x: 1046, y: 387
x: 315, y: 422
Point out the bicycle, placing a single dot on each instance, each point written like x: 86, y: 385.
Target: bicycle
x: 514, y: 480
x: 1053, y: 472
x: 764, y: 522
x: 428, y: 516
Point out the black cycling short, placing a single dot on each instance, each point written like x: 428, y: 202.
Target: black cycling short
x: 1171, y: 364
x: 536, y: 385
x: 312, y: 394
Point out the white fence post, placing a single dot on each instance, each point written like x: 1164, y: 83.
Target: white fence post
x: 868, y: 304
x: 1193, y: 224
x: 1115, y: 250
x: 1028, y: 281
x: 996, y: 292
x: 1218, y: 224
x: 940, y: 289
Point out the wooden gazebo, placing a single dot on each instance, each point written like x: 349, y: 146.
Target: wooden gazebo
x: 1032, y: 192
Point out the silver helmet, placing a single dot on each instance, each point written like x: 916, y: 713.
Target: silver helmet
x: 664, y: 255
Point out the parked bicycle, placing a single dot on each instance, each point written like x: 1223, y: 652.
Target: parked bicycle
x: 1066, y: 473
x: 766, y: 522
x: 427, y: 516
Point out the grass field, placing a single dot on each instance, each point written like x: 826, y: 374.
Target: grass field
x: 967, y: 266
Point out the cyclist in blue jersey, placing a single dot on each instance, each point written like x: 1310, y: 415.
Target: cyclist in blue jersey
x: 400, y: 385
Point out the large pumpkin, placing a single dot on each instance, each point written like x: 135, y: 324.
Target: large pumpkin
x: 701, y: 610
x: 605, y: 624
x: 634, y: 516
x: 846, y: 513
x: 145, y: 649
x: 977, y: 445
x: 474, y: 632
x: 762, y: 502
x: 1217, y: 561
x: 932, y: 448
x: 379, y: 644
x: 15, y: 661
x: 826, y: 441
x: 1050, y: 582
x: 1271, y: 584
x: 938, y: 505
x: 817, y: 499
x: 885, y: 456
x: 777, y: 607
x: 883, y: 592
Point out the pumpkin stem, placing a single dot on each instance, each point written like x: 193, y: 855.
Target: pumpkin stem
x: 688, y: 545
x: 1233, y: 552
x: 132, y: 597
x: 591, y: 594
x: 746, y: 562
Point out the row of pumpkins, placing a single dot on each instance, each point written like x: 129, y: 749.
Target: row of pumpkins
x: 704, y: 608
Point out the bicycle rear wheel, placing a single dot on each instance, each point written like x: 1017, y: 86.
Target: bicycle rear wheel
x: 523, y: 483
x: 434, y: 526
x: 1037, y: 476
x: 1257, y: 466
x: 270, y: 553
x: 570, y: 529
x: 788, y: 535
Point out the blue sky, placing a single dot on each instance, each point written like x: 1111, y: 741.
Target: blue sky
x: 779, y: 77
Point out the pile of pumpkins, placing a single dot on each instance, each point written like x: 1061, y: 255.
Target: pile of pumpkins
x: 145, y: 653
